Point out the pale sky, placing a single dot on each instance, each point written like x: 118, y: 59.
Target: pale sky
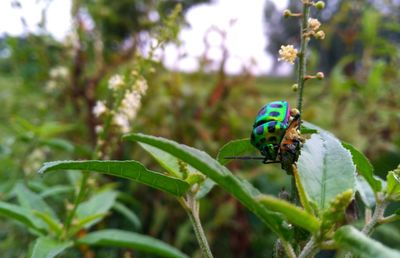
x: 245, y: 39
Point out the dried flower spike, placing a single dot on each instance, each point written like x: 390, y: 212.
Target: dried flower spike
x: 287, y: 53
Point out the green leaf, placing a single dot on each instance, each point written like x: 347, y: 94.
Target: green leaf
x: 23, y: 216
x: 205, y: 188
x: 365, y: 192
x: 335, y: 213
x: 306, y: 130
x: 359, y: 244
x: 124, y: 239
x: 46, y: 247
x: 100, y: 203
x: 58, y: 143
x: 132, y: 170
x: 364, y: 167
x: 53, y: 224
x: 294, y: 214
x: 201, y: 161
x: 393, y: 184
x: 325, y: 168
x: 33, y: 201
x: 234, y: 148
x: 56, y: 191
x: 128, y: 214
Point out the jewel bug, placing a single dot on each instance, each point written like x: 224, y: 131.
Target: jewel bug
x: 276, y: 134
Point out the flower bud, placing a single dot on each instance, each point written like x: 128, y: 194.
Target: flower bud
x: 320, y: 5
x: 320, y: 35
x: 295, y: 87
x: 287, y: 13
x: 320, y: 75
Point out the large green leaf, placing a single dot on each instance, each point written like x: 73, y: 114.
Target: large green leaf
x: 23, y: 216
x: 364, y: 167
x: 325, y: 168
x: 125, y: 239
x: 201, y: 161
x: 132, y: 170
x: 46, y: 247
x: 359, y: 244
x: 100, y: 203
x: 234, y: 148
x: 294, y: 214
x: 33, y: 201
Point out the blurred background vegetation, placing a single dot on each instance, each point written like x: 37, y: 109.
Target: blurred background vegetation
x: 49, y: 88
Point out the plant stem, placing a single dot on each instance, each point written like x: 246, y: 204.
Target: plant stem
x: 301, y: 69
x: 191, y: 206
x: 389, y: 219
x: 376, y: 217
x: 78, y: 200
x: 288, y: 249
x: 381, y: 205
x: 310, y: 249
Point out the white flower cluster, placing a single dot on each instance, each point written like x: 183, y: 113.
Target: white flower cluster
x: 130, y: 105
x: 288, y: 53
x: 127, y: 110
x: 100, y: 108
x: 56, y: 74
x: 116, y: 82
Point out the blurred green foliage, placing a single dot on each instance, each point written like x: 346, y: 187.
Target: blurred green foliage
x: 46, y: 115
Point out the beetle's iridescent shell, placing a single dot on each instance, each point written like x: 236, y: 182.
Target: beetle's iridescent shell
x: 269, y: 128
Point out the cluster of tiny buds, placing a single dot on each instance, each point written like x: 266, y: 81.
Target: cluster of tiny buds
x: 288, y: 53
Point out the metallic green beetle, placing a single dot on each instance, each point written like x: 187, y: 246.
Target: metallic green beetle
x: 270, y: 126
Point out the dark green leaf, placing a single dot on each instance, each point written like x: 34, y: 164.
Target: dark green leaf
x: 234, y: 148
x: 364, y: 167
x: 325, y: 168
x: 201, y: 161
x: 294, y: 214
x: 46, y: 247
x: 359, y: 244
x: 22, y: 215
x: 126, y: 169
x: 124, y: 239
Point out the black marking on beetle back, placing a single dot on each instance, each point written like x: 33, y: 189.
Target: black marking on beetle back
x: 274, y: 113
x: 272, y: 139
x: 260, y: 130
x: 276, y: 105
x: 271, y: 127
